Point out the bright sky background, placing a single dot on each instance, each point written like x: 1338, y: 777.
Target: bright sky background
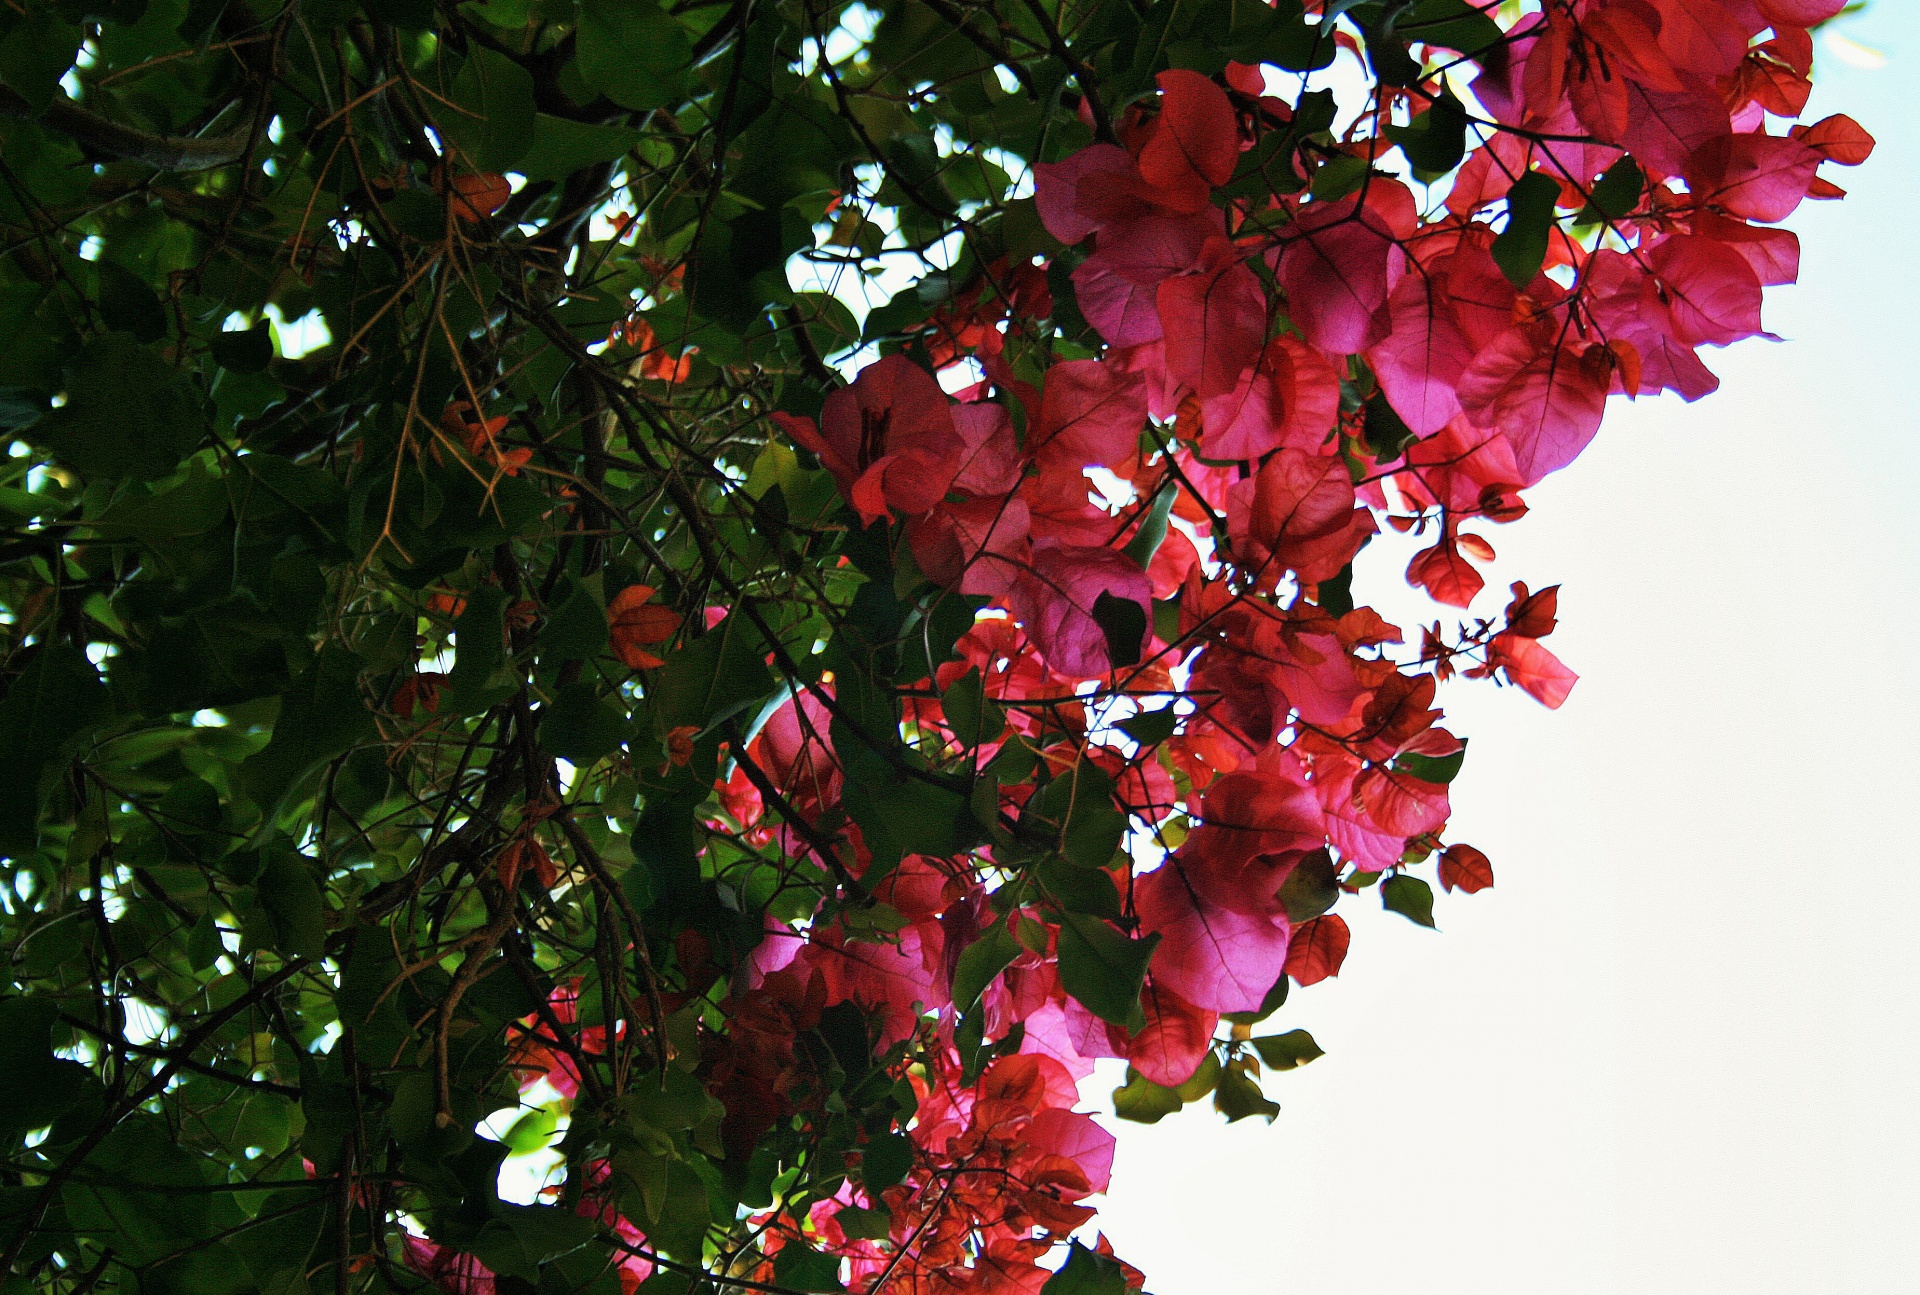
x: 1674, y: 1051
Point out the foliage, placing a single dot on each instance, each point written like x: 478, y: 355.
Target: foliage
x: 473, y: 660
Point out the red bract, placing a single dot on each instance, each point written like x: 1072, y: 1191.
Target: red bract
x: 888, y: 439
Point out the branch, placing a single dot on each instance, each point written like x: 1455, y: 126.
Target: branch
x: 162, y: 152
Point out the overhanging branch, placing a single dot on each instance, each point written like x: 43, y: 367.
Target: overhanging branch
x: 162, y: 152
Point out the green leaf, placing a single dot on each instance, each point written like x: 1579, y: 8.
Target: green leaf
x: 632, y: 52
x: 1287, y: 1051
x: 1077, y: 806
x: 1087, y: 1272
x: 57, y: 700
x: 979, y: 963
x: 1311, y: 888
x: 975, y: 720
x: 248, y: 350
x: 1408, y: 896
x: 1077, y: 888
x: 1454, y: 24
x: 1521, y: 248
x: 884, y: 1161
x: 1124, y: 623
x: 1617, y: 192
x: 800, y: 1267
x: 36, y: 54
x: 561, y: 147
x: 1103, y: 968
x: 671, y: 1099
x: 480, y: 645
x: 290, y: 898
x: 863, y: 1224
x: 492, y: 118
x: 1435, y: 140
x: 128, y: 304
x: 127, y: 413
x: 714, y: 677
x: 111, y: 1201
x: 579, y: 727
x: 1151, y: 727
x: 321, y: 716
x: 1237, y: 1095
x: 1153, y: 527
x: 1143, y: 1101
x: 35, y: 1086
x: 1433, y: 768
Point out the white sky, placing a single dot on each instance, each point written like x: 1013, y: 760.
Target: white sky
x: 1675, y: 1049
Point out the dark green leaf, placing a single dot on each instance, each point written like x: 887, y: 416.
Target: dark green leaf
x: 1237, y: 1095
x: 1435, y: 140
x: 1287, y: 1051
x: 1143, y: 1101
x: 1151, y: 727
x: 715, y: 677
x: 321, y: 716
x: 1433, y: 768
x: 1617, y: 192
x: 885, y: 1160
x: 975, y: 720
x: 561, y: 147
x: 127, y: 303
x: 800, y: 1267
x: 290, y: 898
x: 127, y: 414
x: 979, y: 963
x: 248, y: 350
x: 1087, y: 1272
x: 1103, y: 968
x: 1408, y: 896
x: 632, y: 52
x: 1311, y: 888
x: 491, y: 120
x: 580, y: 727
x: 1124, y: 623
x: 1521, y: 248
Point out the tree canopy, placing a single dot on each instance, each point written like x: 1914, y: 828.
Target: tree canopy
x: 717, y: 599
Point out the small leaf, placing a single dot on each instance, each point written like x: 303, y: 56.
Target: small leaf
x: 974, y: 719
x: 1087, y: 1272
x: 1151, y: 727
x: 1124, y: 623
x: 248, y: 350
x: 1433, y: 768
x: 1521, y: 248
x: 864, y: 1224
x: 1311, y: 888
x: 1408, y: 896
x: 579, y: 727
x: 979, y: 963
x: 127, y: 303
x: 1618, y: 190
x: 1287, y: 1051
x: 1237, y: 1095
x: 1143, y: 1101
x: 1102, y: 968
x: 884, y: 1161
x: 800, y: 1267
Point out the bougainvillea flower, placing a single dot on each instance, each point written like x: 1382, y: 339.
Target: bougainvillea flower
x: 635, y: 623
